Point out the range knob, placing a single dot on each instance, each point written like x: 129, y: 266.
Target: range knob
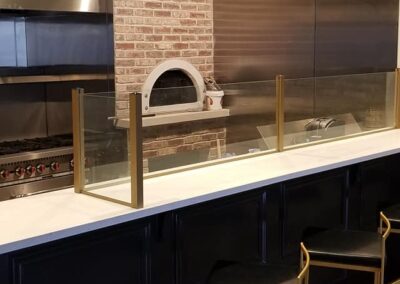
x: 30, y: 170
x: 41, y: 168
x: 4, y: 174
x: 19, y: 172
x: 55, y: 166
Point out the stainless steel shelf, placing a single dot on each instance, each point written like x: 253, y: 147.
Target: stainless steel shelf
x: 52, y: 78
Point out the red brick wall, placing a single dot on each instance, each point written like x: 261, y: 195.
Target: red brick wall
x: 184, y: 138
x: 148, y: 32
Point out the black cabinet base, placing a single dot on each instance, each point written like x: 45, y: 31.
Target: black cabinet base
x: 182, y: 246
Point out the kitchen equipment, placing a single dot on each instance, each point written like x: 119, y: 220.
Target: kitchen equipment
x: 30, y: 166
x: 48, y: 48
x: 323, y: 128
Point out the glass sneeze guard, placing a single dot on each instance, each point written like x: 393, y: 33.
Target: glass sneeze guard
x: 256, y: 118
x: 207, y: 137
x: 105, y: 156
x: 323, y: 109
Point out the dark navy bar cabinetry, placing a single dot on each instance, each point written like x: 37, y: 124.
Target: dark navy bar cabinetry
x: 182, y: 246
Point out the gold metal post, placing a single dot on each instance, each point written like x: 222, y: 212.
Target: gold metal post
x: 280, y: 111
x: 303, y: 276
x: 385, y: 234
x: 135, y: 138
x: 397, y: 99
x: 78, y: 140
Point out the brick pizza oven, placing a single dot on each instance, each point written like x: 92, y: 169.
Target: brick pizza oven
x: 159, y: 43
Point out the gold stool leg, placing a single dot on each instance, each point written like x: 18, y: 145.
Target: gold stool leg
x: 377, y: 279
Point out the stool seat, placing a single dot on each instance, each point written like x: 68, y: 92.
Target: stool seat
x: 246, y: 273
x: 347, y: 247
x: 393, y: 214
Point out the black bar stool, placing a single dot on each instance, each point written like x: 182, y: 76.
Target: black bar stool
x: 393, y: 214
x: 353, y: 250
x: 246, y: 273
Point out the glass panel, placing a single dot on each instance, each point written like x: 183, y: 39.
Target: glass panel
x: 299, y: 109
x: 244, y: 125
x: 322, y: 108
x: 105, y: 148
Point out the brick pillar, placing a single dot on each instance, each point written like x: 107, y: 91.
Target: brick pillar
x: 149, y: 32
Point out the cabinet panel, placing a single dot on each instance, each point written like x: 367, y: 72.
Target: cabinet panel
x: 273, y: 224
x: 226, y: 229
x: 182, y: 246
x: 162, y: 254
x: 115, y: 256
x: 318, y: 201
x: 380, y: 182
x: 4, y: 270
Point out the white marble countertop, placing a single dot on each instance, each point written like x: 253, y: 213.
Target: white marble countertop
x: 42, y: 218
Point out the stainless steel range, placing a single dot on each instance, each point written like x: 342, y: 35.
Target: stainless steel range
x: 47, y: 49
x: 32, y: 166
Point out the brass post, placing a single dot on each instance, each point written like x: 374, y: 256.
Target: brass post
x: 78, y: 140
x: 397, y: 99
x: 280, y: 112
x: 135, y: 138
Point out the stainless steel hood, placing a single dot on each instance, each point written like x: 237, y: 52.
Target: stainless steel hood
x: 92, y: 6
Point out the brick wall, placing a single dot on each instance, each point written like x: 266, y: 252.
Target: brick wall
x: 149, y: 32
x: 184, y: 139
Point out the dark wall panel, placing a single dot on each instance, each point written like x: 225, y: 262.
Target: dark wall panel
x: 258, y: 39
x: 22, y: 111
x: 356, y: 36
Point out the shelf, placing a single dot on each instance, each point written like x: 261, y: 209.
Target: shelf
x: 51, y: 78
x: 163, y: 119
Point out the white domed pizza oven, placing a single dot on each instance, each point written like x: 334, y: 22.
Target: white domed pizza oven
x: 173, y: 86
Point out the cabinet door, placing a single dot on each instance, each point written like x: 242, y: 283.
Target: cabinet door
x: 4, y: 270
x: 380, y: 183
x: 317, y: 201
x: 228, y: 229
x: 117, y: 255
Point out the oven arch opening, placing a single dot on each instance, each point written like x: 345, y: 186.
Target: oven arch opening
x: 166, y: 69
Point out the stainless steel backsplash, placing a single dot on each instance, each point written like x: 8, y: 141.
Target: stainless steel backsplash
x: 256, y: 40
x: 259, y: 39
